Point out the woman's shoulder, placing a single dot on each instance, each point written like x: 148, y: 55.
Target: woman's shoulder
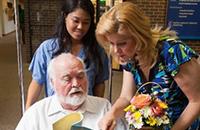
x: 46, y: 48
x: 174, y: 53
x: 175, y: 46
x: 48, y: 43
x: 175, y: 49
x: 170, y: 43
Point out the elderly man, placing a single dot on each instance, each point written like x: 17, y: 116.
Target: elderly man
x: 70, y: 83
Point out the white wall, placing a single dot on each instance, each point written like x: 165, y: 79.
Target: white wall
x: 7, y: 26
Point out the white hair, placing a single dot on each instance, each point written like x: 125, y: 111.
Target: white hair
x: 51, y: 71
x: 53, y: 62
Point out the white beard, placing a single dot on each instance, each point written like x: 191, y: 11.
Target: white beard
x: 74, y: 100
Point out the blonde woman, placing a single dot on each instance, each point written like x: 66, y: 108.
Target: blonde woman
x: 151, y: 55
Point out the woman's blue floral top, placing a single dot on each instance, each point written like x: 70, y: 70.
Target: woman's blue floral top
x: 172, y: 53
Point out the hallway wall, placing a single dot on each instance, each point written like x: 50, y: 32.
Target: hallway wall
x: 6, y: 25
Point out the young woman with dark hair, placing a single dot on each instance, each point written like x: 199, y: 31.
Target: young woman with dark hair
x: 75, y: 33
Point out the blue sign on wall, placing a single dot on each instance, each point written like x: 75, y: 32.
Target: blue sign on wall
x: 184, y: 17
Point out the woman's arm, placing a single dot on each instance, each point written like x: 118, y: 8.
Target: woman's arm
x: 117, y: 110
x: 127, y: 92
x: 188, y: 79
x: 34, y: 91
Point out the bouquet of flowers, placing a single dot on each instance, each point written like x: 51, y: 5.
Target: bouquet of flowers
x: 146, y: 110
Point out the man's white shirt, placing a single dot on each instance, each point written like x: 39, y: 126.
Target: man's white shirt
x: 43, y: 114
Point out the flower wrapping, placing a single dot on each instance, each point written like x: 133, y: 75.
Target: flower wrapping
x: 146, y: 110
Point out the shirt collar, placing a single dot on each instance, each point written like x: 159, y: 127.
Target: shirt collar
x: 87, y: 106
x: 55, y: 107
x: 82, y: 54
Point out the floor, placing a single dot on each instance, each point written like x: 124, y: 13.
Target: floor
x: 10, y: 99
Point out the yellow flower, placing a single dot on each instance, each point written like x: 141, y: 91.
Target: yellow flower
x: 137, y: 115
x: 148, y: 110
x: 151, y: 121
x: 133, y: 108
x: 162, y: 104
x: 128, y: 108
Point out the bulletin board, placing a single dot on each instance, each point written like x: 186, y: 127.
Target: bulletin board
x: 184, y: 17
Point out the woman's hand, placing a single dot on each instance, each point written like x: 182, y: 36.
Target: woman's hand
x: 108, y: 122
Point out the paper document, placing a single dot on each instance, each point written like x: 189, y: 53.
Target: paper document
x: 71, y: 121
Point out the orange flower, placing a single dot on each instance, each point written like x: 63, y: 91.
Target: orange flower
x: 141, y: 100
x: 157, y: 110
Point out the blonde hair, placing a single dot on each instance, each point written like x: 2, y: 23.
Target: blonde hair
x: 128, y: 15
